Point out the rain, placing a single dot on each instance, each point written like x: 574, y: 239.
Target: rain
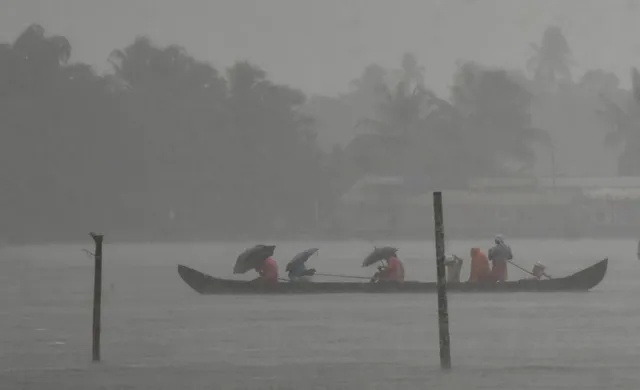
x: 248, y: 194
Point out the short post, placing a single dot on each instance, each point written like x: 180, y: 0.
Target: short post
x: 443, y: 314
x: 97, y: 295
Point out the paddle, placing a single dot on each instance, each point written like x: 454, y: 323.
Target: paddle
x: 517, y: 266
x: 344, y: 276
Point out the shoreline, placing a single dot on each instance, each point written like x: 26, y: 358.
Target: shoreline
x: 372, y: 238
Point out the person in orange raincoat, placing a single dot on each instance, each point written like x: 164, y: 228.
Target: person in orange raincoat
x: 480, y: 269
x: 268, y: 271
x: 393, y: 272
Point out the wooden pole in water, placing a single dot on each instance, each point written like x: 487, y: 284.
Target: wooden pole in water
x: 443, y: 314
x: 97, y: 295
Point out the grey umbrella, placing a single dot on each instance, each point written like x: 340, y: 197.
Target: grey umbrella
x: 252, y: 257
x: 378, y: 254
x: 300, y: 258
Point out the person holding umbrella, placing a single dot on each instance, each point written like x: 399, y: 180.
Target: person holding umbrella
x: 267, y: 271
x: 297, y: 268
x: 258, y: 258
x: 393, y: 271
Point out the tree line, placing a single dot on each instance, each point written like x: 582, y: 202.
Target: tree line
x: 168, y: 147
x: 165, y: 145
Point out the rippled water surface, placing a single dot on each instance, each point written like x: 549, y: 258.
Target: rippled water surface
x: 159, y: 334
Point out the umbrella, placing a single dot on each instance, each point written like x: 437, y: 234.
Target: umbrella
x: 379, y: 254
x: 300, y: 258
x: 251, y: 257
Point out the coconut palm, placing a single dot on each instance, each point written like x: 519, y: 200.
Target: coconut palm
x: 412, y: 71
x: 624, y: 136
x: 35, y: 46
x: 399, y: 111
x: 552, y: 58
x: 493, y: 115
x: 34, y: 59
x: 372, y: 77
x: 398, y: 116
x: 142, y: 64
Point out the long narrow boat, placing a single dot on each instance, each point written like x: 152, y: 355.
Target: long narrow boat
x: 580, y: 281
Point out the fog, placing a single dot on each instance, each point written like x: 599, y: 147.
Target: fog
x: 320, y: 47
x: 194, y: 133
x: 210, y: 121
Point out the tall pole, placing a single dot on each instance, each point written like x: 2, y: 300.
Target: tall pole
x: 443, y: 314
x: 97, y: 295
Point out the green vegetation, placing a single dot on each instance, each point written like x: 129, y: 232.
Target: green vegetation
x: 167, y: 146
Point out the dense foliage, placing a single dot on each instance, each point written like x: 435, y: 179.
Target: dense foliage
x: 164, y: 145
x: 167, y: 146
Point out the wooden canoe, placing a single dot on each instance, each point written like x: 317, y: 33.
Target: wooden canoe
x: 583, y: 280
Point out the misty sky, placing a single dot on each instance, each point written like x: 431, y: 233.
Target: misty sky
x: 320, y: 46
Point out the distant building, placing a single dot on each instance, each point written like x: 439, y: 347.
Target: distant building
x: 521, y: 206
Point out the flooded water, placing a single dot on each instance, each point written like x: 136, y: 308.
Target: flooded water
x: 159, y: 334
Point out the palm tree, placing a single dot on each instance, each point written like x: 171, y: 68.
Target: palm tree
x: 493, y: 115
x: 624, y: 137
x: 551, y: 59
x: 35, y: 58
x: 164, y: 71
x: 412, y: 71
x: 34, y: 45
x: 389, y: 134
x: 372, y: 76
x: 399, y: 111
x: 132, y: 64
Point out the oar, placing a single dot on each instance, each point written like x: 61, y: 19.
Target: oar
x: 517, y: 266
x: 344, y: 276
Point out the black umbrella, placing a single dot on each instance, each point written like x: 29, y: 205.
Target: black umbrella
x: 300, y: 258
x: 379, y: 254
x: 252, y: 257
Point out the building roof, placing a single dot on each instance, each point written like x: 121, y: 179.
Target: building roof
x: 514, y: 191
x: 564, y: 182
